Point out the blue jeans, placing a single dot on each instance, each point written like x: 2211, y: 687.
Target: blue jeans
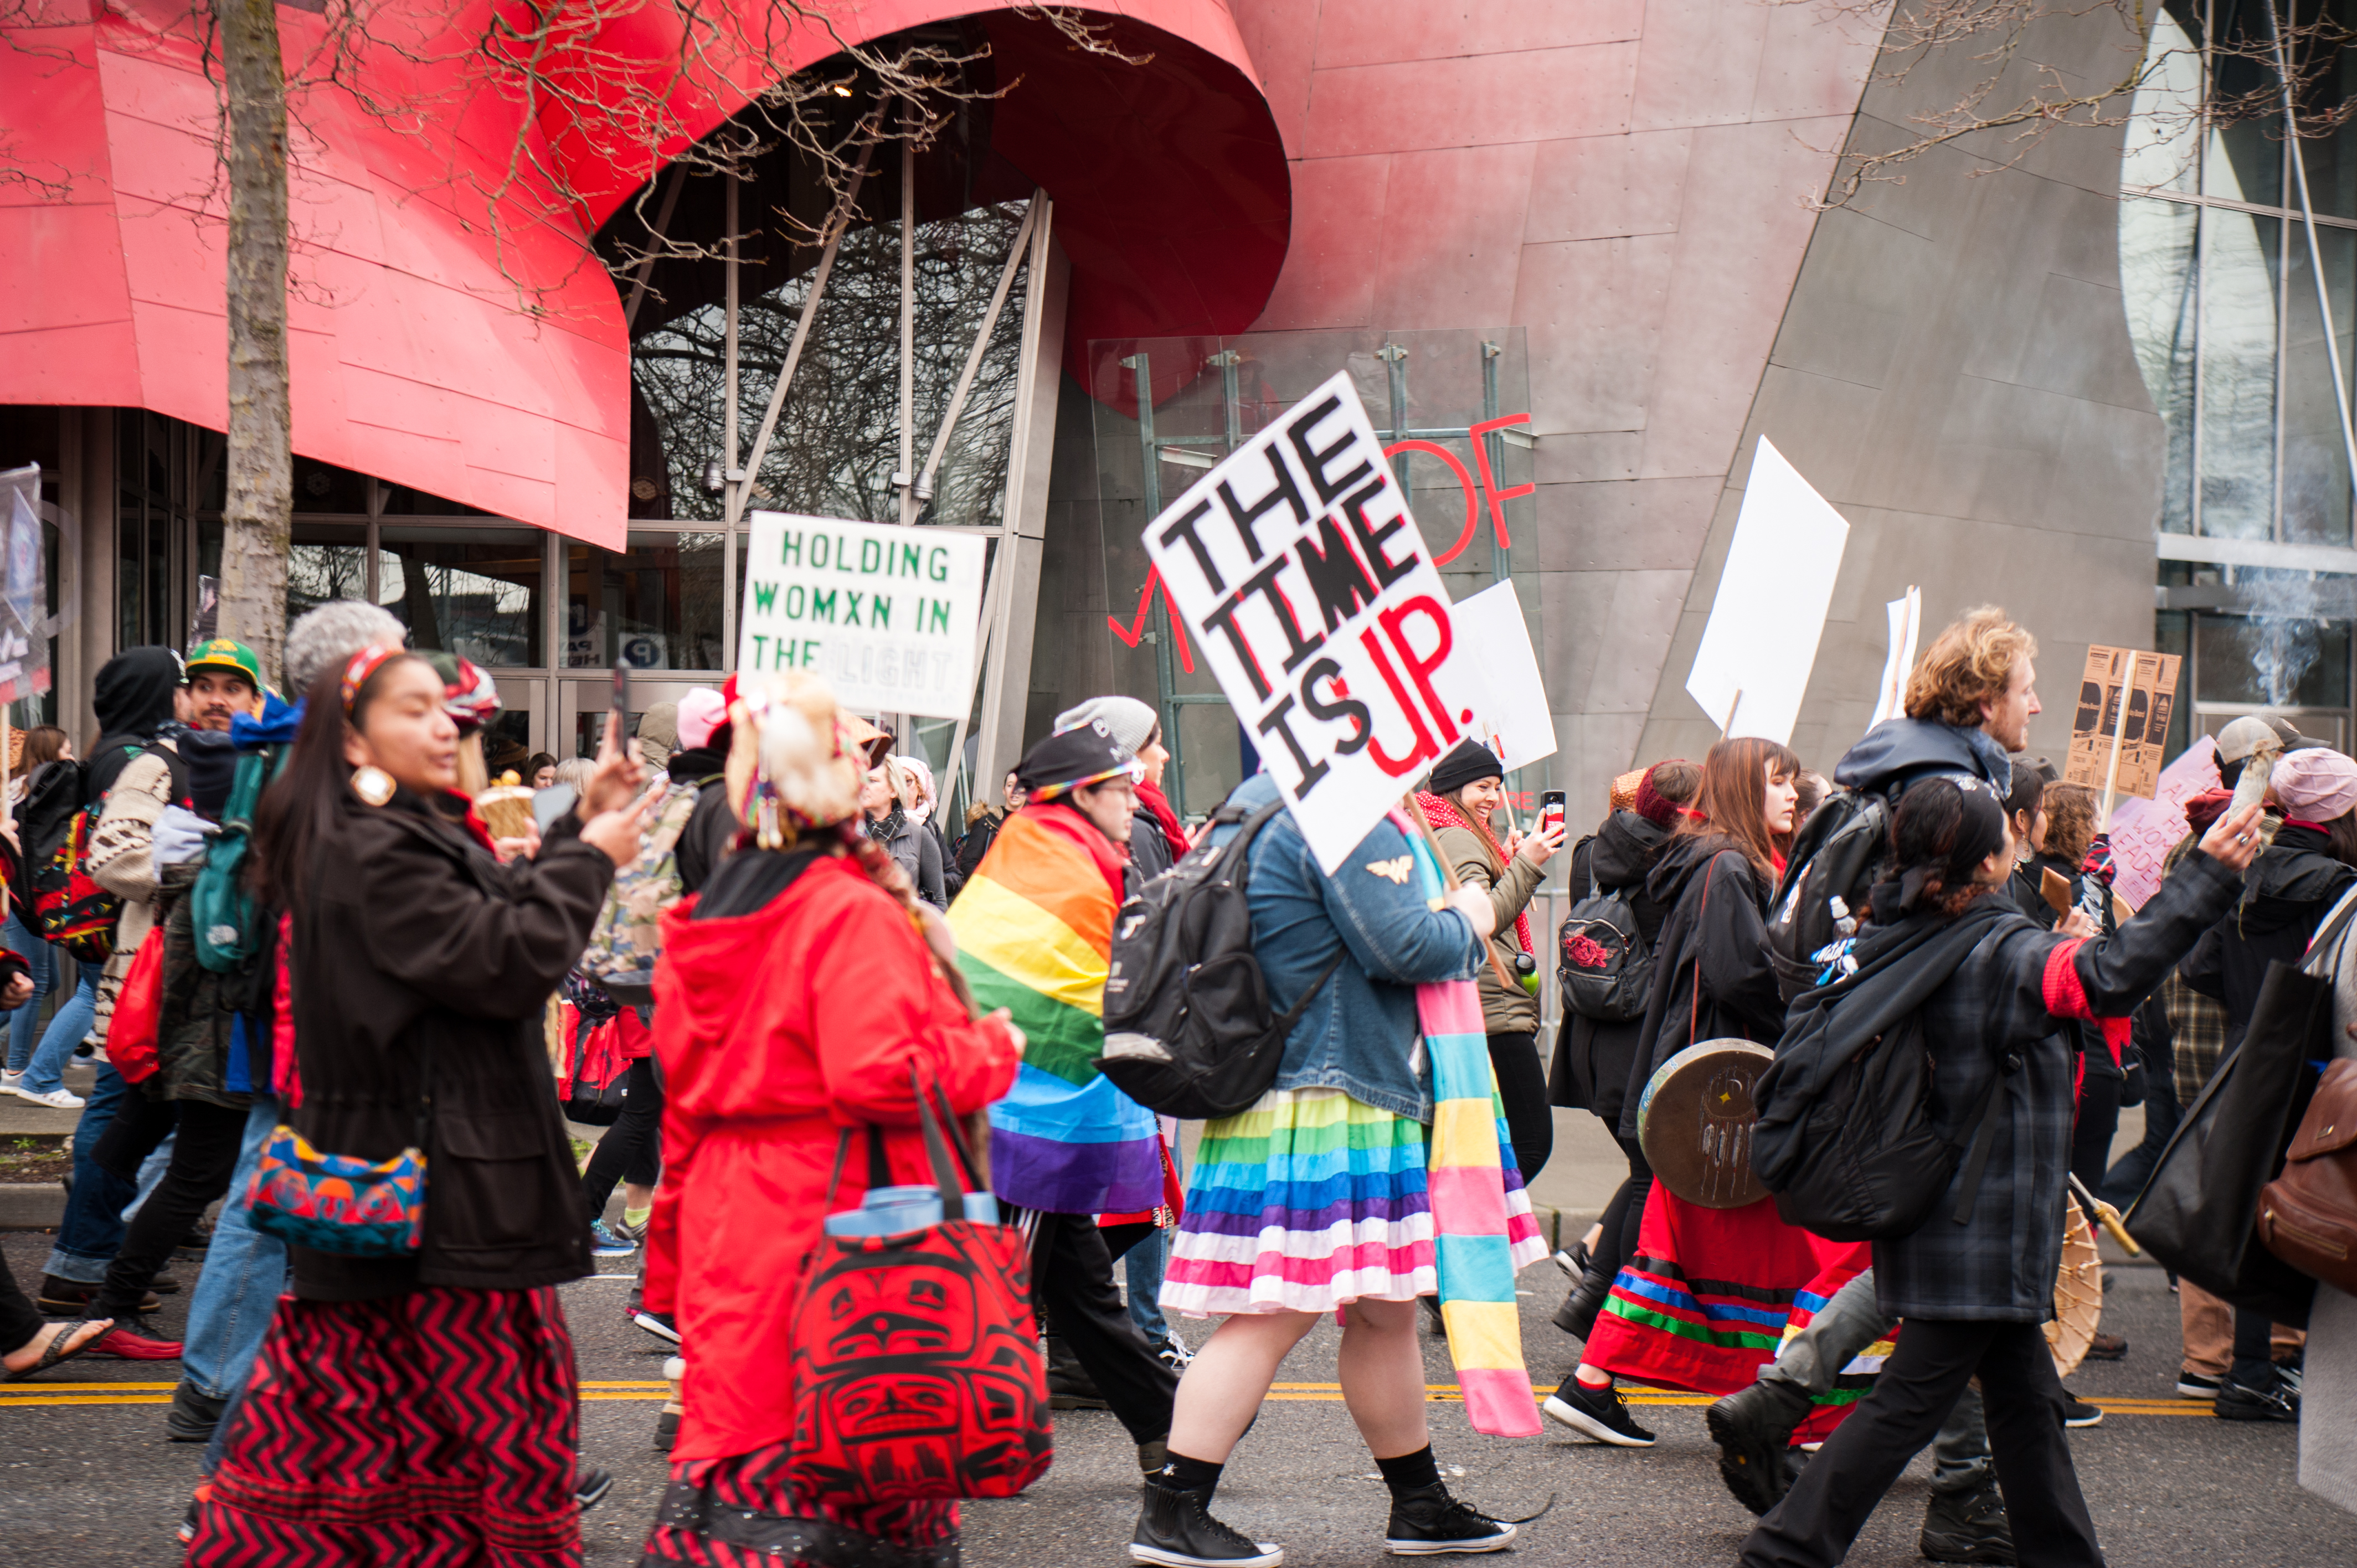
x: 1146, y: 1262
x: 47, y: 1070
x: 41, y: 960
x: 244, y: 1273
x: 92, y: 1231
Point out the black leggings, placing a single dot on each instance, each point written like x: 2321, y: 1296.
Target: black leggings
x: 2091, y: 1138
x: 204, y: 1156
x: 1521, y: 1085
x: 1622, y: 1215
x: 632, y: 1150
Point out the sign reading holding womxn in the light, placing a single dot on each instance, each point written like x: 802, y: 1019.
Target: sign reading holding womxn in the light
x: 1300, y: 575
x: 887, y: 614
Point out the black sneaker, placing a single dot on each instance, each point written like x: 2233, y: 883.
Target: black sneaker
x: 2107, y: 1348
x: 193, y: 1415
x: 1600, y: 1414
x: 1176, y: 1529
x: 2077, y: 1413
x: 1753, y: 1428
x: 2238, y: 1401
x: 2194, y: 1386
x: 1426, y: 1520
x: 659, y: 1324
x: 1968, y: 1527
x: 590, y: 1486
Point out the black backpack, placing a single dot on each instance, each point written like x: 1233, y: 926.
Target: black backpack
x: 1840, y: 853
x: 1845, y: 1138
x: 1186, y: 1026
x: 1603, y: 965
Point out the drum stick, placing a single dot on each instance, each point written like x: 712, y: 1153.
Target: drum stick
x: 1448, y: 879
x: 2107, y: 1217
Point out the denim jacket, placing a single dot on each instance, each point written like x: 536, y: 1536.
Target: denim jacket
x: 1360, y: 1033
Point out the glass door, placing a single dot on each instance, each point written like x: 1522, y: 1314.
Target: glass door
x: 582, y: 705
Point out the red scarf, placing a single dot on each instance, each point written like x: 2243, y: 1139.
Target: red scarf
x: 1442, y: 813
x: 1150, y: 796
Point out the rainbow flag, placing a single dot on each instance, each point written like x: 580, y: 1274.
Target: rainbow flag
x: 1034, y: 928
x: 1483, y: 1230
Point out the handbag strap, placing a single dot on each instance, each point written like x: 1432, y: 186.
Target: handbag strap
x: 1984, y: 1140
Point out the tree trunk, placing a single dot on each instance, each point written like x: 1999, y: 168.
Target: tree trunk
x: 257, y: 522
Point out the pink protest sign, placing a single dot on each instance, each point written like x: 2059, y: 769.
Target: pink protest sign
x: 2144, y: 832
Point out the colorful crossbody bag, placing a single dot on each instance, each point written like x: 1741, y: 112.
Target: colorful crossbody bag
x: 334, y: 1203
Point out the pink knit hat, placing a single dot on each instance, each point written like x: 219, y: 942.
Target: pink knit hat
x: 700, y: 712
x: 2315, y: 785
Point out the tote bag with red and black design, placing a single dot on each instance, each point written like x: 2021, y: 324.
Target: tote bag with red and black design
x: 917, y: 1370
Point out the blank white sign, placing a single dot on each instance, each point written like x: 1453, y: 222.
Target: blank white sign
x: 1753, y: 666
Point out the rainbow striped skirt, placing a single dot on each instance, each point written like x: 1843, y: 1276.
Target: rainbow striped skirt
x: 1308, y: 1200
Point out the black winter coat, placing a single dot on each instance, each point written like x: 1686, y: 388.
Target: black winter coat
x: 2009, y: 998
x: 1592, y: 1060
x: 419, y: 961
x: 2286, y: 895
x: 711, y: 829
x: 1712, y: 979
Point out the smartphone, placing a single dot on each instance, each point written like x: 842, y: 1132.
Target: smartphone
x: 1550, y: 808
x: 621, y: 707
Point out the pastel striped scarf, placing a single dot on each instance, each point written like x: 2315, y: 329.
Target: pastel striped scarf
x: 1034, y: 928
x: 1474, y: 1239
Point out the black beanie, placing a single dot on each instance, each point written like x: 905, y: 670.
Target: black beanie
x: 1468, y: 763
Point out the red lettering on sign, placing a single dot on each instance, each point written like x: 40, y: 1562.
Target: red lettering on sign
x: 1422, y: 750
x: 1422, y: 666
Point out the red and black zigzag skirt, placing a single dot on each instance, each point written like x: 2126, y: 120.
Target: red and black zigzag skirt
x: 738, y: 1512
x: 438, y: 1427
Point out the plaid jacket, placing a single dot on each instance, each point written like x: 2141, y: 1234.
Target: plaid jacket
x: 2197, y: 1033
x: 2003, y: 1005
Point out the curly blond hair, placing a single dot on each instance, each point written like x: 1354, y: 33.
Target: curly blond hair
x: 1969, y: 663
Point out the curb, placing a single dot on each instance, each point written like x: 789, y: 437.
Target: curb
x: 31, y: 1205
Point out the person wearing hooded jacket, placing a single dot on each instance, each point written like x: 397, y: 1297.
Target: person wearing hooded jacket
x: 1593, y: 1058
x: 1466, y: 787
x: 2297, y: 879
x: 1976, y: 1295
x: 1969, y: 702
x: 1711, y: 980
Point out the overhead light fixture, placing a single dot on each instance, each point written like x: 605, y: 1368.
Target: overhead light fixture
x: 1189, y: 458
x: 843, y: 89
x: 713, y: 481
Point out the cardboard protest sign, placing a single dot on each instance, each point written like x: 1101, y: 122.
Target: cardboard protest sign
x: 885, y: 615
x: 2149, y: 681
x: 1309, y: 590
x: 1752, y: 667
x: 1515, y: 723
x: 23, y: 631
x: 2144, y: 832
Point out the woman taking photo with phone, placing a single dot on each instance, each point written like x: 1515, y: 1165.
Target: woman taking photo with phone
x: 1469, y: 785
x: 420, y: 1404
x: 1662, y: 1324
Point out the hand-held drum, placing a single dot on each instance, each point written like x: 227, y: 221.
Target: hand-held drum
x: 1695, y: 1122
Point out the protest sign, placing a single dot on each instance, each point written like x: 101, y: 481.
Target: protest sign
x: 1905, y: 625
x: 1514, y: 723
x: 885, y: 615
x: 1752, y: 667
x: 23, y: 629
x: 2139, y: 729
x: 1299, y: 574
x: 2144, y: 832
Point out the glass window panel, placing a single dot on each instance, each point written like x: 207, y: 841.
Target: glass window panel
x: 2278, y: 660
x: 2238, y: 374
x: 2315, y: 457
x: 653, y: 607
x: 2165, y: 133
x: 2244, y: 158
x: 323, y: 487
x: 326, y: 560
x: 472, y: 592
x: 2156, y: 278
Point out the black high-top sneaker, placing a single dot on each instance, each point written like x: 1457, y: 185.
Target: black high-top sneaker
x: 1753, y: 1428
x: 1601, y: 1413
x: 1969, y: 1527
x: 1176, y: 1529
x: 1426, y: 1520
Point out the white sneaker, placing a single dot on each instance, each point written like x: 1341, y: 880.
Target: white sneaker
x: 56, y: 1099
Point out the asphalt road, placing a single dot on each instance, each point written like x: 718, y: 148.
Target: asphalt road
x: 96, y: 1484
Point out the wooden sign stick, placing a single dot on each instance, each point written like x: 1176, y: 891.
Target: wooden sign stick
x: 1448, y: 879
x: 2119, y: 732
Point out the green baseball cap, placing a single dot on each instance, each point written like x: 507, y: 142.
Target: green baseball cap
x: 221, y: 653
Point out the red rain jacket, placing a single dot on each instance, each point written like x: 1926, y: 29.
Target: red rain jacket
x: 777, y: 1030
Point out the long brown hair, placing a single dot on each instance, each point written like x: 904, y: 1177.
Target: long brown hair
x: 1732, y: 799
x: 2071, y: 811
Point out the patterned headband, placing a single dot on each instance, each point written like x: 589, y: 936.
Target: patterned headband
x: 364, y: 663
